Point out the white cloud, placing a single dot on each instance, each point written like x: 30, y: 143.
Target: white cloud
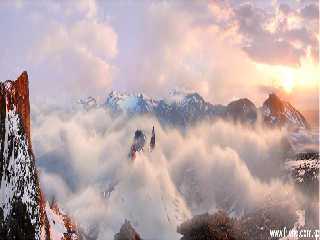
x: 182, y: 47
x: 78, y: 54
x: 185, y: 174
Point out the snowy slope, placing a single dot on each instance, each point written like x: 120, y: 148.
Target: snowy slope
x: 19, y: 190
x: 178, y: 109
x: 129, y: 103
x: 60, y: 225
x: 280, y: 113
x: 23, y: 214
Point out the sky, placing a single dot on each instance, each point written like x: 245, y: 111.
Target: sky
x: 224, y: 50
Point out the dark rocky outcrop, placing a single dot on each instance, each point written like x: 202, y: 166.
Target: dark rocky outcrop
x: 252, y: 226
x: 218, y: 226
x: 139, y: 141
x: 242, y: 110
x: 258, y: 223
x: 127, y: 232
x: 153, y: 140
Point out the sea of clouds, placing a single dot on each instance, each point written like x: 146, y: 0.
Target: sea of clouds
x: 83, y: 156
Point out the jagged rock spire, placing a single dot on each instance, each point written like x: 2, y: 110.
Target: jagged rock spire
x: 139, y: 141
x: 20, y: 195
x: 15, y: 95
x: 23, y: 212
x: 153, y: 140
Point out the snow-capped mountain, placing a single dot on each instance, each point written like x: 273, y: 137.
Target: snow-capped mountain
x: 182, y: 109
x: 23, y: 214
x: 129, y: 103
x: 178, y: 109
x: 278, y: 112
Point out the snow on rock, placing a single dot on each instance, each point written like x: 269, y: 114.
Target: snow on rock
x: 22, y: 210
x: 304, y: 170
x: 19, y: 189
x: 129, y: 103
x: 184, y: 108
x: 178, y: 109
x: 277, y: 112
x: 57, y: 228
x: 60, y: 225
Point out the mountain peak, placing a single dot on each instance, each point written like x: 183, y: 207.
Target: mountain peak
x: 23, y: 214
x: 20, y: 194
x: 185, y: 108
x: 277, y: 112
x: 274, y: 101
x: 242, y: 110
x: 127, y: 232
x: 16, y: 96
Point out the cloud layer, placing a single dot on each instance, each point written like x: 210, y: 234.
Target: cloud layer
x: 212, y: 166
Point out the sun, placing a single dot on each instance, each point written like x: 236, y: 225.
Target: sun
x: 287, y: 81
x: 306, y: 77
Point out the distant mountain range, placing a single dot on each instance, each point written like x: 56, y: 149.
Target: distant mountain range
x: 184, y: 109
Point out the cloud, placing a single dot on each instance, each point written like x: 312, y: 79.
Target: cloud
x: 209, y: 167
x: 184, y: 48
x: 78, y: 54
x: 212, y: 48
x: 310, y: 11
x: 65, y: 46
x: 271, y: 36
x: 285, y: 8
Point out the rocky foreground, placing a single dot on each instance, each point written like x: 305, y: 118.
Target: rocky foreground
x: 24, y: 213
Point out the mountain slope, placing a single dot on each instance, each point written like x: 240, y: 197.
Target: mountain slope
x: 280, y: 113
x: 22, y: 206
x: 242, y: 110
x: 20, y: 190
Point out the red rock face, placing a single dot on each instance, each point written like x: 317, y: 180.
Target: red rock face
x: 17, y: 96
x: 18, y: 172
x: 72, y: 231
x: 28, y: 217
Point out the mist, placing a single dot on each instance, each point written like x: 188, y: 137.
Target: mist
x: 84, y: 164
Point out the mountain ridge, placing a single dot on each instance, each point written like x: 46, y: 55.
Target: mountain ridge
x: 183, y: 109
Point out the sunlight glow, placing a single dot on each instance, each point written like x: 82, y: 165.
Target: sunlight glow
x: 287, y: 81
x: 306, y: 76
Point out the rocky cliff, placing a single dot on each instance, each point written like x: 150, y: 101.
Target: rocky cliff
x: 23, y: 211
